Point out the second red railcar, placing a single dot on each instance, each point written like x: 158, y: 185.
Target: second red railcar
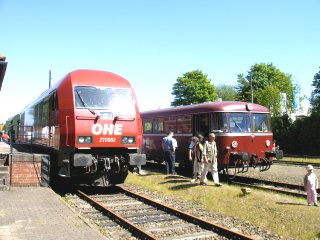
x: 243, y: 133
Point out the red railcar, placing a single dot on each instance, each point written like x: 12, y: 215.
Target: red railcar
x: 90, y: 124
x: 243, y: 133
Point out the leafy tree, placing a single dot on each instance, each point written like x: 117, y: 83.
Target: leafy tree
x: 281, y: 131
x: 193, y: 87
x: 226, y: 92
x: 315, y: 95
x: 269, y: 86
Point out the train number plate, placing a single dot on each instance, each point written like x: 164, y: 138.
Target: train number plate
x: 107, y: 139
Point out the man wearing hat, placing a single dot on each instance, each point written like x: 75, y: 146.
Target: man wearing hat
x: 311, y: 186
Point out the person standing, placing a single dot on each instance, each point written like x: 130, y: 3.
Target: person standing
x: 192, y: 158
x: 311, y: 186
x: 193, y: 143
x: 169, y: 145
x: 210, y: 161
x: 198, y: 159
x: 5, y: 137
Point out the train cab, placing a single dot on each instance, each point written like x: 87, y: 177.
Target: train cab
x: 90, y: 124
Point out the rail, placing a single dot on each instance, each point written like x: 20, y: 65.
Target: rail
x: 111, y: 209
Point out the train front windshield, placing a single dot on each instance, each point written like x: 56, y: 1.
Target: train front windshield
x: 117, y: 100
x: 240, y: 122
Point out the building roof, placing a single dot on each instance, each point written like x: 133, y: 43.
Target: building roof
x: 3, y: 67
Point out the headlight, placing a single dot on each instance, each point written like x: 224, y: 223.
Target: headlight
x: 128, y: 140
x: 234, y: 144
x: 85, y: 139
x: 267, y: 143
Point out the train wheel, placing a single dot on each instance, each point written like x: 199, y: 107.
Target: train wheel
x: 245, y: 166
x: 233, y: 168
x: 263, y: 164
x: 240, y: 166
x: 268, y: 164
x: 254, y: 162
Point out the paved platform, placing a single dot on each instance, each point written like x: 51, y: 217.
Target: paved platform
x: 5, y: 148
x: 39, y: 213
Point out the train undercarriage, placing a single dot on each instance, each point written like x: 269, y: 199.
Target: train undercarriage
x: 240, y: 162
x: 98, y: 167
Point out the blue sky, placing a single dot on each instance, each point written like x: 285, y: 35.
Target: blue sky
x: 152, y: 43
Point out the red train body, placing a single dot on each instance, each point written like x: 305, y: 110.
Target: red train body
x: 90, y: 124
x: 243, y: 133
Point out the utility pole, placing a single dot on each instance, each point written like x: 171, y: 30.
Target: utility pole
x: 50, y: 78
x: 251, y: 88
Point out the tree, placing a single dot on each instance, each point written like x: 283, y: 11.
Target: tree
x: 315, y: 95
x: 226, y: 92
x: 193, y: 87
x: 270, y: 87
x: 281, y: 131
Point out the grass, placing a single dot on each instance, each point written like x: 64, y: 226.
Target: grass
x: 285, y: 215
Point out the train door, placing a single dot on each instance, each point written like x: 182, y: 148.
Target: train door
x: 53, y: 121
x: 219, y: 125
x: 201, y: 124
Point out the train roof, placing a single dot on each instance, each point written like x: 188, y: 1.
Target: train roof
x: 96, y: 78
x: 86, y: 77
x: 224, y: 106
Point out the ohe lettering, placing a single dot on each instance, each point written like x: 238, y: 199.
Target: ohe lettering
x: 106, y: 129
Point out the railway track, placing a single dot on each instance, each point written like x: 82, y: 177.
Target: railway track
x: 239, y: 179
x: 280, y: 187
x: 316, y: 165
x: 146, y: 218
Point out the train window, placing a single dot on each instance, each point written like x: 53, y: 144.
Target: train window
x: 147, y: 126
x: 158, y: 125
x: 22, y: 119
x: 184, y: 124
x: 219, y: 122
x: 119, y: 100
x: 239, y: 122
x: 44, y: 113
x: 260, y: 122
x: 170, y: 124
x: 44, y: 118
x: 201, y: 124
x: 54, y: 102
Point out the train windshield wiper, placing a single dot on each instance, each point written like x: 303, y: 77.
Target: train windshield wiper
x: 84, y: 104
x: 237, y: 125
